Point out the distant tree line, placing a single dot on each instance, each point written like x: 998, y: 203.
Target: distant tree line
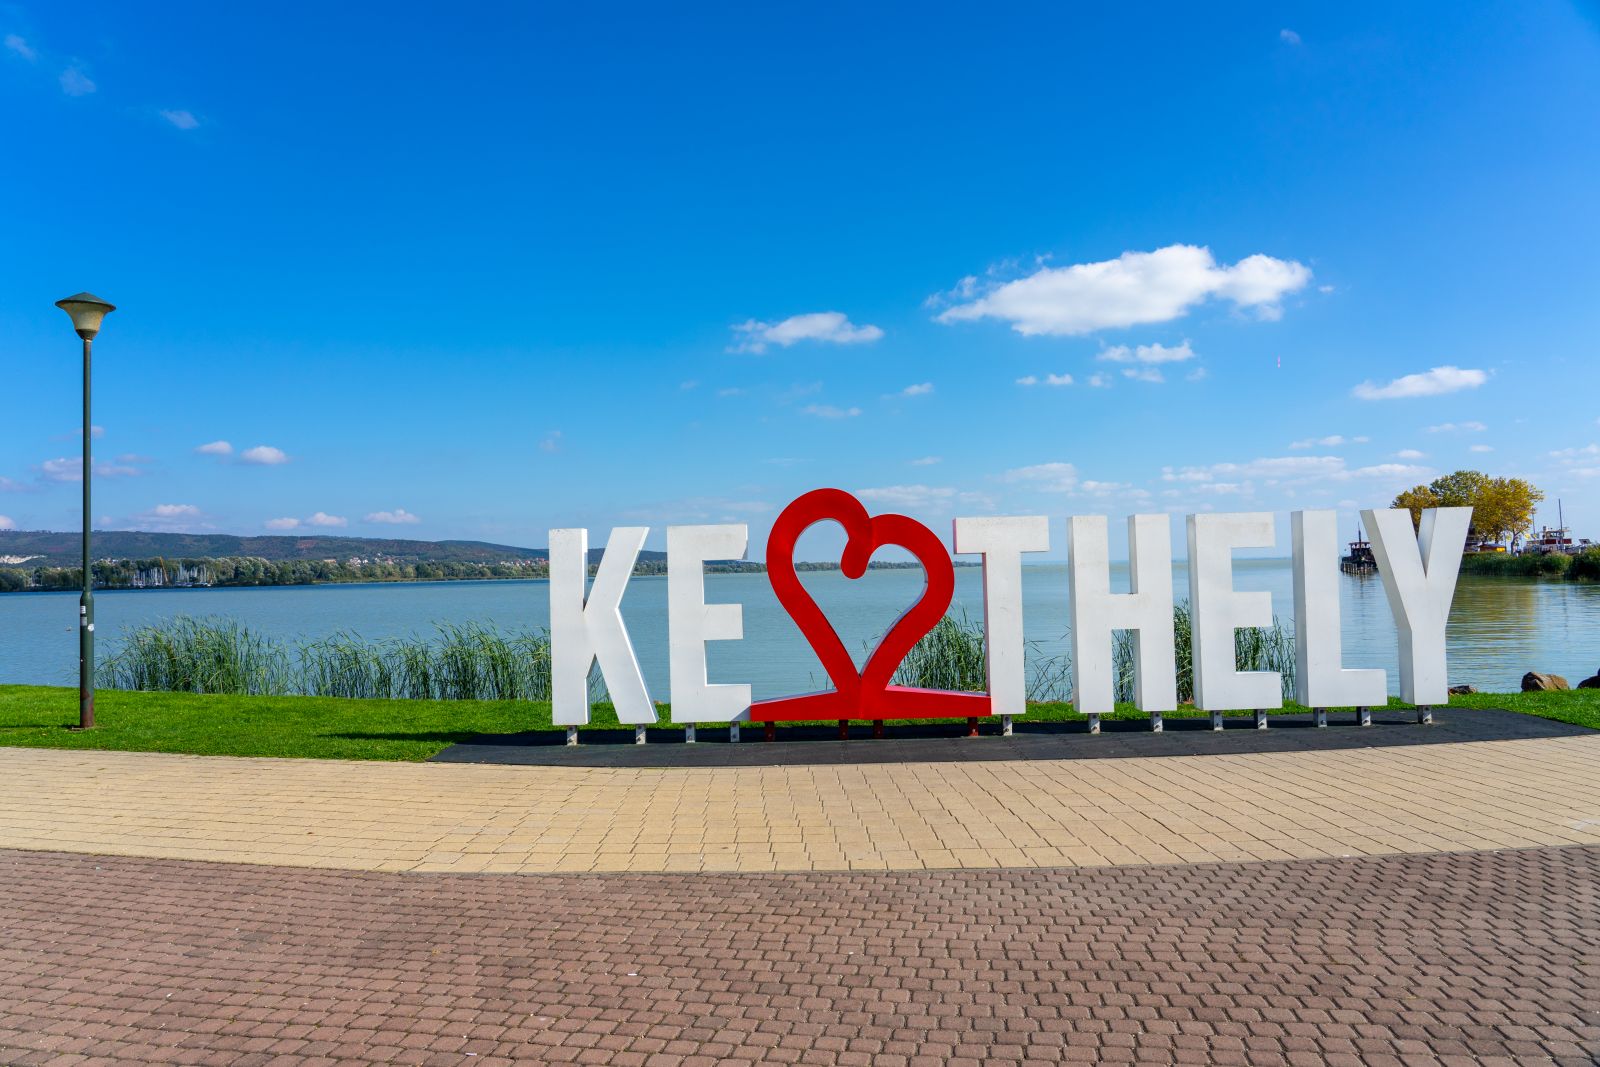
x: 158, y: 572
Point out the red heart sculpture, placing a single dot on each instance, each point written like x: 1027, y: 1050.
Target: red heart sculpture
x: 867, y: 694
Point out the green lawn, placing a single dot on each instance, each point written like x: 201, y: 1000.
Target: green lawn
x: 332, y: 728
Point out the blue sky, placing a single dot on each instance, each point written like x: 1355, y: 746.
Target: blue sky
x: 478, y: 272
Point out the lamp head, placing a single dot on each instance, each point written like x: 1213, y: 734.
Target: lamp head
x: 87, y: 311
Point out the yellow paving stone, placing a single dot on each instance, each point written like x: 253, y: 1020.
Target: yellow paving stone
x: 391, y: 816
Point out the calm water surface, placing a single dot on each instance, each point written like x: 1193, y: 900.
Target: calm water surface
x: 1499, y: 628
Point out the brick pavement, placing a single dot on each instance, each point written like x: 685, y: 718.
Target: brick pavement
x: 461, y: 817
x: 1483, y: 958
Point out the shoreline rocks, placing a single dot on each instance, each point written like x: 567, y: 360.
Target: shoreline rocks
x: 1534, y: 682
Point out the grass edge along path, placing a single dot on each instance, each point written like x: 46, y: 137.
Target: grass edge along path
x: 413, y: 730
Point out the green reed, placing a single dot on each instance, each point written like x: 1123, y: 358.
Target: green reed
x: 462, y: 661
x: 954, y: 656
x: 475, y: 661
x: 188, y: 655
x: 1256, y: 648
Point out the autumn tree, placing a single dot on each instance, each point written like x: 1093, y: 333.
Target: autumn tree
x: 1504, y: 509
x: 1459, y: 490
x: 1416, y: 500
x: 1501, y: 507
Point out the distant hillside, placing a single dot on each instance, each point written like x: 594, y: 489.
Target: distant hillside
x: 62, y: 549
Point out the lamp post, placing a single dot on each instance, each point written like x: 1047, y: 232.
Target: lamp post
x: 87, y: 311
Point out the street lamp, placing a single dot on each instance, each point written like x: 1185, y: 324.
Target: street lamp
x: 87, y: 312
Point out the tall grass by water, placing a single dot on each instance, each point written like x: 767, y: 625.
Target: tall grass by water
x: 468, y: 661
x: 952, y: 656
x: 1255, y: 648
x: 1582, y: 565
x: 476, y: 661
x: 185, y: 655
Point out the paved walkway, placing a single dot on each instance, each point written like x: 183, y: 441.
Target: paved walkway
x: 466, y: 818
x: 1466, y: 958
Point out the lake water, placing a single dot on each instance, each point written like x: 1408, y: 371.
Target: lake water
x: 1499, y: 627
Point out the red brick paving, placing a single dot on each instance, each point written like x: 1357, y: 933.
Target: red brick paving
x: 1487, y: 957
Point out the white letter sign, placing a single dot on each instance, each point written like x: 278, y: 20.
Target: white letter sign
x: 1097, y: 611
x: 1321, y: 680
x: 1219, y: 610
x: 1002, y: 541
x: 1419, y: 575
x: 691, y: 622
x: 586, y: 629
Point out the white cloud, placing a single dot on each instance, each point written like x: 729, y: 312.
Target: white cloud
x: 183, y: 120
x: 70, y: 469
x: 1289, y: 470
x: 1449, y: 427
x: 926, y: 461
x: 1135, y: 288
x: 1410, y: 453
x: 1333, y: 440
x: 1568, y: 455
x: 828, y: 411
x: 1272, y: 468
x: 397, y: 517
x: 1057, y: 380
x: 920, y: 389
x: 1147, y: 354
x: 7, y: 523
x: 76, y: 434
x: 908, y: 496
x: 170, y: 517
x: 1288, y: 36
x: 1435, y: 382
x: 551, y: 442
x: 21, y: 47
x: 74, y: 82
x: 799, y: 390
x: 285, y: 523
x: 215, y: 448
x: 732, y: 390
x: 832, y: 327
x: 1482, y: 448
x: 1094, y: 488
x: 700, y: 509
x: 1100, y: 381
x: 1144, y: 374
x: 1386, y: 470
x: 1053, y: 477
x: 1198, y: 374
x: 322, y: 518
x: 263, y: 456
